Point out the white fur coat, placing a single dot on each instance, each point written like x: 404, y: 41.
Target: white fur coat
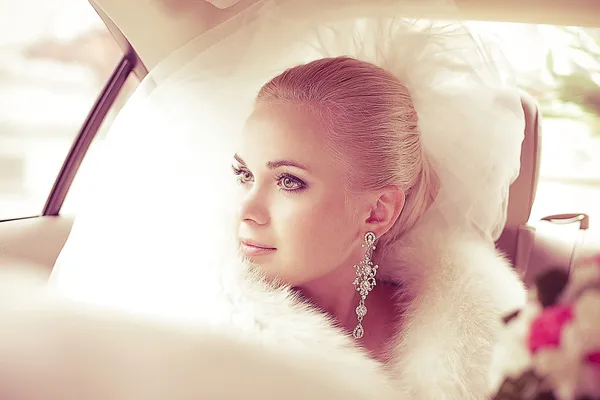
x: 266, y: 345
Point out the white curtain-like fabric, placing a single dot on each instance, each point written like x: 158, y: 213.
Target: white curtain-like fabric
x: 159, y: 205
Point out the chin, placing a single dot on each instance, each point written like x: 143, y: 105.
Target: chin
x: 267, y: 268
x: 267, y: 275
x: 260, y: 270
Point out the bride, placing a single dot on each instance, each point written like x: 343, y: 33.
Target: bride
x: 300, y: 203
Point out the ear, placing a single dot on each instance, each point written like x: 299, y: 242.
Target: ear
x: 385, y: 208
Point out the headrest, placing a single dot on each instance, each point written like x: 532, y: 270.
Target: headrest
x: 522, y: 191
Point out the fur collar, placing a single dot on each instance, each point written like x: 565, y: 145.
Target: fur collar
x: 455, y: 290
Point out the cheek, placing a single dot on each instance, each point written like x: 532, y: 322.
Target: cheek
x: 317, y: 233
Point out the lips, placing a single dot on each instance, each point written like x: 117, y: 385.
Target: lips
x: 252, y: 248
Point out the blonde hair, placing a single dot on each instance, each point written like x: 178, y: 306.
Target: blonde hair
x: 371, y: 123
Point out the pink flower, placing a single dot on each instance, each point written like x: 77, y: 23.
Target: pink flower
x: 545, y: 330
x: 592, y: 260
x: 593, y: 358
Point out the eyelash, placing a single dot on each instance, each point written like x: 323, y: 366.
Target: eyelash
x: 241, y: 171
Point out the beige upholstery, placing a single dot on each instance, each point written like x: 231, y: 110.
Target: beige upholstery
x: 33, y: 242
x: 555, y: 241
x: 522, y: 191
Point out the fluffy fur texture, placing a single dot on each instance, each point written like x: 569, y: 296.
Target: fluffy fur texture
x: 457, y: 291
x: 262, y: 343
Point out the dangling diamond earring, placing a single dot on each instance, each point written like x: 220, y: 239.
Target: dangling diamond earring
x: 364, y: 281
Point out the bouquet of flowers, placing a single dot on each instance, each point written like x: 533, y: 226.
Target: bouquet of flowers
x: 550, y: 349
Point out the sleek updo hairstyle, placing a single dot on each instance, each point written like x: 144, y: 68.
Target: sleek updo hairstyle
x: 370, y: 123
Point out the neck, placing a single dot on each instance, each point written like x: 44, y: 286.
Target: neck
x: 335, y: 295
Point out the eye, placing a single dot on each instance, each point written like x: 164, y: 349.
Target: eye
x: 290, y: 183
x: 243, y: 174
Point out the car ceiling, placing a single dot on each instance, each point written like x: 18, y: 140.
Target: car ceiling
x: 157, y: 27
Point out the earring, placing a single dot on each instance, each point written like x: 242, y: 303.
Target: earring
x: 364, y: 281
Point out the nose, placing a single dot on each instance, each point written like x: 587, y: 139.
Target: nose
x: 254, y: 207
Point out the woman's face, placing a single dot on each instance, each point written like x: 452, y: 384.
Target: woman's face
x: 295, y: 222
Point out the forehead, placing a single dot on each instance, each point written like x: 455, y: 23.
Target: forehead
x: 282, y: 131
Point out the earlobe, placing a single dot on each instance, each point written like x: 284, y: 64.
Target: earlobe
x: 385, y: 210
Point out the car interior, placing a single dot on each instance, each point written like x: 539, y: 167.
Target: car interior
x: 37, y: 240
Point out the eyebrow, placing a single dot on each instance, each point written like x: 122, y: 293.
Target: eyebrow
x: 275, y: 164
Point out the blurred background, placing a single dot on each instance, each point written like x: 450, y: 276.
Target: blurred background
x: 55, y: 58
x: 56, y: 55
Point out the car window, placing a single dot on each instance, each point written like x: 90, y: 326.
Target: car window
x: 569, y: 94
x: 55, y: 57
x: 560, y: 67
